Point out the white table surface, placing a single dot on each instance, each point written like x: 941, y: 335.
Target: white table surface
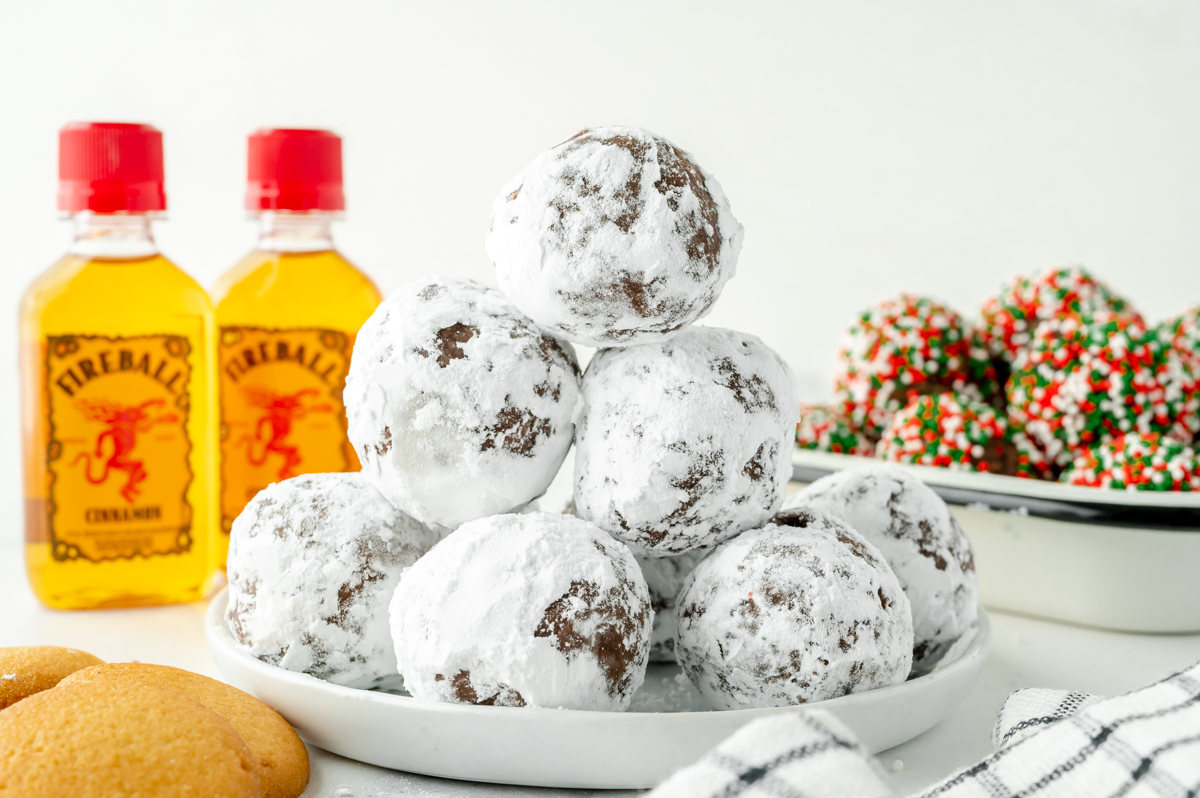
x: 1025, y: 653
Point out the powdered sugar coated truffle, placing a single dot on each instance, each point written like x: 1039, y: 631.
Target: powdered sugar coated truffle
x: 313, y: 561
x: 922, y: 542
x: 684, y: 443
x: 800, y: 610
x: 615, y: 236
x: 665, y: 577
x: 458, y: 406
x: 524, y: 610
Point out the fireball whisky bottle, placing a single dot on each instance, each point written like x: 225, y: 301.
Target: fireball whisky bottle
x: 116, y: 392
x: 286, y: 320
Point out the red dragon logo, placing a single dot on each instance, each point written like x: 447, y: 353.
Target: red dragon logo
x: 123, y: 425
x: 275, y: 425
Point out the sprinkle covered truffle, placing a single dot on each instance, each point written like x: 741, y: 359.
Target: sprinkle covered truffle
x: 1010, y: 318
x: 1136, y: 462
x: 827, y: 429
x: 906, y: 347
x: 1183, y: 332
x: 952, y: 431
x: 1082, y: 382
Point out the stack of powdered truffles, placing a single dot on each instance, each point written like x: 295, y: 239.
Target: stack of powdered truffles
x: 430, y: 570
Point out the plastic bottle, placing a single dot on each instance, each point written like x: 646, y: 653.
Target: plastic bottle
x: 117, y: 385
x: 287, y: 316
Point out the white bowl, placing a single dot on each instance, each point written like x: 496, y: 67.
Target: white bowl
x: 562, y: 747
x: 1115, y: 559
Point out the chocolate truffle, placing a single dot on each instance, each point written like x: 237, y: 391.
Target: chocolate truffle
x: 903, y: 348
x: 1085, y: 381
x: 684, y: 443
x: 313, y: 561
x: 458, y: 406
x: 540, y: 610
x: 825, y: 428
x: 799, y: 610
x: 921, y: 541
x: 1010, y: 318
x: 614, y: 237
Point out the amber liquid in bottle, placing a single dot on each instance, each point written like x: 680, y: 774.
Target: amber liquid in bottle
x: 117, y: 386
x: 286, y: 318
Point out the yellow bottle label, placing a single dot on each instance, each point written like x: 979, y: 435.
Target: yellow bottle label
x: 118, y: 447
x: 281, y: 409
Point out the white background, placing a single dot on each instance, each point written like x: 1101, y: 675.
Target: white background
x: 868, y: 147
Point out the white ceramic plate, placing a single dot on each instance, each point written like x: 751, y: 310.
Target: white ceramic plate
x: 664, y: 730
x: 1115, y: 559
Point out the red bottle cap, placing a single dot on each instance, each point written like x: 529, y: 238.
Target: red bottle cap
x: 294, y: 170
x: 109, y: 167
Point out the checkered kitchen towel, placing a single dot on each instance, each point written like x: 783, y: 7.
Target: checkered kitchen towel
x: 1145, y: 744
x: 801, y: 754
x: 1027, y: 712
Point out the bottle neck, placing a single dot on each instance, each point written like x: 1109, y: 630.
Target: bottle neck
x: 297, y: 231
x: 113, y: 235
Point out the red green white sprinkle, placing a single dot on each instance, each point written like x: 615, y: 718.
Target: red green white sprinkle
x: 1183, y: 333
x: 1083, y: 382
x: 1137, y: 462
x: 1032, y: 462
x: 826, y: 429
x: 949, y: 430
x: 1010, y: 318
x: 900, y: 348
